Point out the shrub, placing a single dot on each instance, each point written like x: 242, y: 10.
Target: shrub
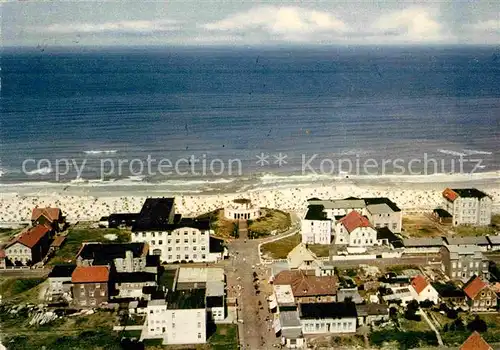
x: 477, y: 324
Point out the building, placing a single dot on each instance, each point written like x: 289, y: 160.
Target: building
x: 422, y: 245
x: 59, y: 282
x: 424, y: 290
x: 90, y: 286
x: 405, y: 294
x: 213, y: 281
x: 173, y: 238
x: 51, y: 217
x: 3, y: 264
x: 316, y: 227
x: 328, y: 318
x: 120, y: 220
x: 29, y: 247
x: 133, y: 284
x: 355, y: 230
x: 242, y: 209
x: 301, y: 258
x: 463, y: 262
x: 308, y: 288
x: 475, y: 342
x: 386, y: 237
x: 442, y: 216
x: 180, y: 318
x: 321, y: 216
x: 371, y: 314
x: 450, y: 293
x: 125, y: 257
x: 480, y: 296
x: 494, y: 242
x: 481, y: 242
x: 290, y: 328
x: 468, y: 206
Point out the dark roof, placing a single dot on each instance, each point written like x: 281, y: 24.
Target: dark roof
x: 62, y: 271
x: 152, y: 260
x: 328, y: 310
x: 448, y: 290
x: 442, y: 213
x: 386, y: 233
x: 215, y: 301
x: 313, y: 199
x: 470, y: 192
x: 167, y: 278
x: 129, y: 277
x: 104, y: 218
x: 382, y: 200
x: 156, y: 213
x: 186, y: 299
x: 315, y: 212
x: 105, y: 253
x: 122, y: 217
x: 216, y: 245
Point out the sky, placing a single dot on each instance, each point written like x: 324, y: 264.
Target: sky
x: 237, y: 22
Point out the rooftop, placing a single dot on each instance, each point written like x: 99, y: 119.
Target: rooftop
x: 215, y: 288
x: 457, y: 250
x: 186, y: 299
x: 386, y: 233
x: 452, y: 194
x: 442, y: 213
x: 105, y: 253
x: 50, y: 213
x: 479, y: 240
x: 354, y: 220
x: 494, y: 240
x: 284, y: 294
x: 475, y: 342
x: 242, y: 201
x: 299, y: 254
x: 216, y: 245
x: 32, y: 236
x: 423, y: 242
x: 382, y: 200
x: 474, y: 286
x: 381, y: 208
x: 327, y: 310
x: 303, y: 284
x: 156, y: 213
x: 135, y: 277
x: 315, y: 212
x: 90, y: 274
x: 62, y: 271
x: 200, y: 274
x: 348, y: 203
x: 289, y: 319
x: 419, y: 283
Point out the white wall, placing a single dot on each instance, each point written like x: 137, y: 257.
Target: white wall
x: 317, y: 326
x: 316, y: 231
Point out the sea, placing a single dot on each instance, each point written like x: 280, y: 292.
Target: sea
x: 214, y: 118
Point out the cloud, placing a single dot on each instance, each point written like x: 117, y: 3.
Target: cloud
x: 412, y: 24
x: 492, y: 25
x: 286, y: 22
x: 111, y: 27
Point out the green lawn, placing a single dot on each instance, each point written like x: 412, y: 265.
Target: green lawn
x: 474, y: 231
x: 21, y: 290
x: 279, y: 249
x: 271, y: 220
x: 224, y: 338
x: 7, y: 233
x: 78, y: 235
x: 415, y: 326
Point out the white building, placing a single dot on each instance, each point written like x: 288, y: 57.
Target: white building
x: 405, y: 294
x: 178, y: 319
x: 318, y: 225
x: 242, y: 209
x: 468, y: 206
x: 213, y: 280
x: 423, y: 290
x: 334, y: 318
x: 59, y: 282
x: 355, y: 230
x: 173, y: 238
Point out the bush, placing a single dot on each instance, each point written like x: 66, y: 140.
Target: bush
x: 452, y: 313
x: 426, y: 304
x: 478, y: 325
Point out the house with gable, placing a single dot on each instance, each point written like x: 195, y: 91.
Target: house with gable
x: 424, y: 290
x: 301, y: 258
x: 479, y: 295
x: 90, y: 286
x: 468, y: 206
x: 475, y: 342
x: 355, y: 230
x: 51, y: 217
x: 29, y: 247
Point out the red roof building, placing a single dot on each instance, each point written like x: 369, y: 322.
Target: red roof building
x: 450, y: 195
x: 353, y: 220
x: 90, y: 274
x: 419, y: 283
x: 475, y: 342
x: 52, y: 214
x: 305, y: 285
x: 32, y: 236
x: 473, y: 287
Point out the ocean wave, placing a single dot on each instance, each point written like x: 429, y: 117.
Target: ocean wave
x: 453, y: 153
x: 97, y: 152
x: 42, y: 171
x: 272, y: 178
x: 472, y: 151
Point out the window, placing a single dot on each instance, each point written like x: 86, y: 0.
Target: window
x: 170, y: 257
x: 169, y: 249
x: 177, y: 241
x: 160, y: 242
x: 186, y: 256
x: 97, y: 286
x: 144, y: 234
x: 160, y: 234
x: 202, y: 248
x: 185, y: 232
x: 194, y: 248
x: 178, y: 248
x: 153, y: 242
x: 186, y: 240
x: 169, y: 241
x: 199, y: 324
x: 173, y: 325
x: 186, y: 248
x: 194, y: 240
x: 178, y: 257
x: 152, y: 234
x: 203, y: 256
x: 136, y: 234
x: 194, y: 256
x: 199, y: 335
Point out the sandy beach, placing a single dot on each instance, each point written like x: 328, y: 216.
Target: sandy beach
x: 89, y: 204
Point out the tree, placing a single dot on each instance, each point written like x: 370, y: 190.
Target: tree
x: 478, y: 325
x: 452, y: 313
x: 457, y: 326
x: 426, y: 304
x: 411, y: 311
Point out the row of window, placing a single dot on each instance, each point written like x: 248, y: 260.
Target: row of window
x: 177, y: 241
x: 169, y: 233
x: 330, y: 327
x: 471, y: 265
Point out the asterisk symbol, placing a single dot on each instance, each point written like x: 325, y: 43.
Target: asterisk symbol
x: 262, y: 159
x: 280, y: 159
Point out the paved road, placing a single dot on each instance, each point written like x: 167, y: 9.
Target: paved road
x: 256, y: 331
